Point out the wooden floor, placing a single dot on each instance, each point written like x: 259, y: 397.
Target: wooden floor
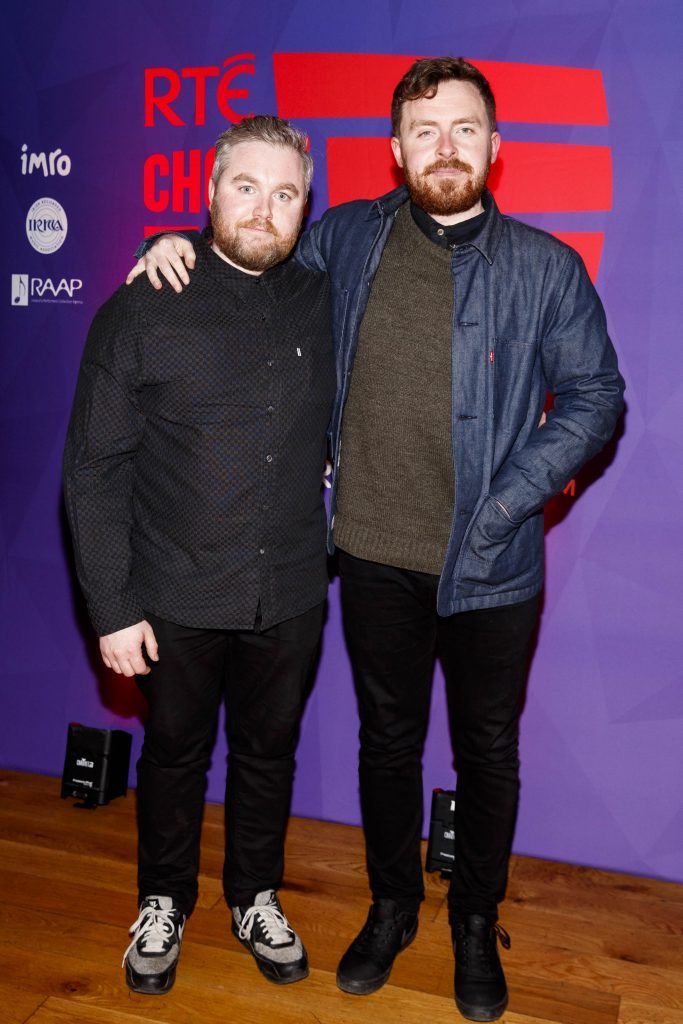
x: 588, y: 947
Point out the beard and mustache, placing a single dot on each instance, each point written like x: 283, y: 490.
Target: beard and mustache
x: 251, y: 252
x: 443, y: 197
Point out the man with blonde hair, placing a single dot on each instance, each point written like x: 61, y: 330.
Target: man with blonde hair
x: 192, y: 476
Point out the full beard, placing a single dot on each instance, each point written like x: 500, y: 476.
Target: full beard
x: 251, y: 252
x: 443, y: 197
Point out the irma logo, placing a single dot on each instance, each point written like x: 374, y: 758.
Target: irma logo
x: 46, y: 225
x: 528, y: 178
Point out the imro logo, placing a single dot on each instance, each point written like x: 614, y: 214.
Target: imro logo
x: 47, y: 164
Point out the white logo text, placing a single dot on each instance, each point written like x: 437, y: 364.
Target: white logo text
x: 55, y: 162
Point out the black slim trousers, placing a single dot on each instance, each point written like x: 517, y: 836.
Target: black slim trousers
x: 263, y: 678
x: 394, y: 636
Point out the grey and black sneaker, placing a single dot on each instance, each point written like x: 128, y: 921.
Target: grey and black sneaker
x: 268, y: 935
x: 152, y: 956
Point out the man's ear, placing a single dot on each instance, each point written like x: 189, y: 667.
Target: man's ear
x: 212, y: 190
x: 495, y: 146
x: 396, y: 149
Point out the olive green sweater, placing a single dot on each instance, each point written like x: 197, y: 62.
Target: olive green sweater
x: 396, y: 482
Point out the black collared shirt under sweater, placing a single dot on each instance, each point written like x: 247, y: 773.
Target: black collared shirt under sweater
x: 196, y: 449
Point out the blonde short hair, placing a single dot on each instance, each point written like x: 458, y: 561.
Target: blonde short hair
x: 263, y: 128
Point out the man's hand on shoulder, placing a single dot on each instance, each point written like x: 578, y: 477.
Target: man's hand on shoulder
x: 170, y: 255
x: 122, y: 651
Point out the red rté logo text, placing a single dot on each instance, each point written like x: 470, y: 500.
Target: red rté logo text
x: 163, y: 87
x: 178, y: 181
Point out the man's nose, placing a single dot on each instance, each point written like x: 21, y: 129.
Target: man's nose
x: 446, y: 145
x: 263, y: 207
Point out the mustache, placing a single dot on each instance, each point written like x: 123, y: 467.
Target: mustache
x: 448, y: 165
x: 256, y: 222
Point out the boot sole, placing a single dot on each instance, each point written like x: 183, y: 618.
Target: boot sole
x: 270, y: 971
x: 366, y: 988
x: 488, y: 1013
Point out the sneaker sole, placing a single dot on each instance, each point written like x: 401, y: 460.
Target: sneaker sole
x: 366, y: 988
x: 270, y: 971
x: 146, y: 984
x: 478, y: 1013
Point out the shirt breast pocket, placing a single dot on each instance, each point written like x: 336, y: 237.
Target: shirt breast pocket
x: 309, y: 368
x: 516, y: 373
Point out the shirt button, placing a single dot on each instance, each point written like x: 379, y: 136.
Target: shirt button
x: 261, y: 551
x: 269, y: 458
x: 269, y: 362
x: 270, y: 409
x: 439, y: 231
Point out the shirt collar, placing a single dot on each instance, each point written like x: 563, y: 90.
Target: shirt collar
x: 447, y: 236
x: 238, y: 279
x: 486, y: 241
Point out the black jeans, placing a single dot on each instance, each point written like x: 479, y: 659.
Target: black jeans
x: 263, y: 678
x: 394, y: 635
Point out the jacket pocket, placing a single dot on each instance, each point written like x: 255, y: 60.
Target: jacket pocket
x: 498, y: 551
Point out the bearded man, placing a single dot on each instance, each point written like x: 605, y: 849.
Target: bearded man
x: 192, y: 474
x: 451, y: 323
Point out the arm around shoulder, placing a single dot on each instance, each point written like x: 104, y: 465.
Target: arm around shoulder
x: 167, y: 254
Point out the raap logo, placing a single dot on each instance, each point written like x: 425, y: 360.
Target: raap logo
x: 20, y: 286
x: 27, y: 290
x: 46, y: 225
x: 55, y: 162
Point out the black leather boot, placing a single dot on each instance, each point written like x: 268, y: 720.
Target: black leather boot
x: 480, y: 989
x: 366, y: 964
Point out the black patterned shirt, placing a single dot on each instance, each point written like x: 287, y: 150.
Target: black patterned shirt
x: 195, y: 451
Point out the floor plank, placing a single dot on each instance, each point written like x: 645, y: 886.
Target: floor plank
x: 589, y: 947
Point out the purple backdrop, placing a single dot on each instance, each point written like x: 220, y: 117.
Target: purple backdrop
x: 602, y: 725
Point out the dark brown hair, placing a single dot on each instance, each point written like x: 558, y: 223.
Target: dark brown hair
x: 423, y: 78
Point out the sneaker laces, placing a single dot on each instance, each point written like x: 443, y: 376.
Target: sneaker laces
x: 376, y: 935
x: 275, y: 925
x: 484, y: 949
x: 154, y: 928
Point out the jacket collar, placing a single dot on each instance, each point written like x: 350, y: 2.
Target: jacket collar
x: 488, y: 238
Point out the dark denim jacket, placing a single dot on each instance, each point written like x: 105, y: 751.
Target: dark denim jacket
x: 527, y: 320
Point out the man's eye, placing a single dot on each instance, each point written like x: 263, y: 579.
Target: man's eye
x: 246, y: 188
x: 283, y: 196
